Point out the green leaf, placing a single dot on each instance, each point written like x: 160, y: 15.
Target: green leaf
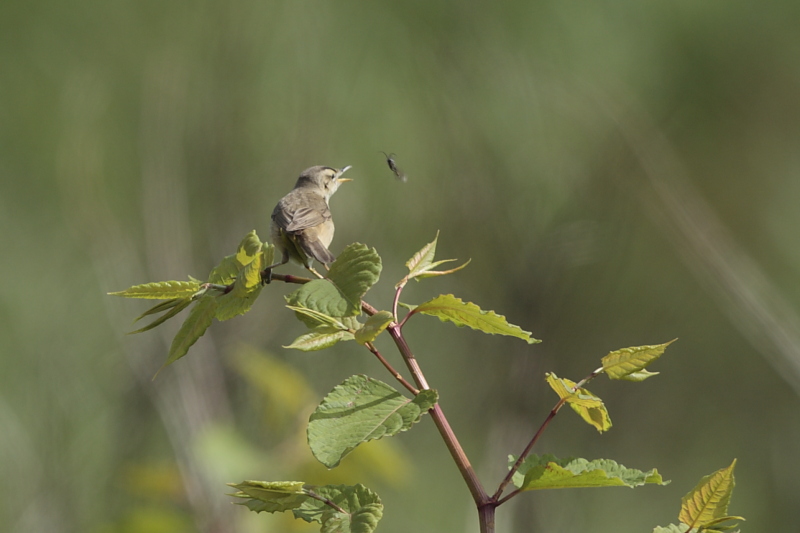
x: 355, y: 270
x: 629, y: 363
x: 448, y: 308
x: 163, y: 306
x: 249, y: 248
x: 322, y: 296
x: 716, y: 525
x: 433, y: 273
x: 549, y: 472
x: 339, y: 508
x: 339, y: 295
x: 707, y: 504
x: 179, y: 305
x: 248, y: 279
x: 421, y: 265
x: 247, y: 286
x: 640, y: 375
x: 358, y: 410
x: 230, y: 305
x: 410, y: 307
x: 193, y: 328
x: 422, y: 259
x: 161, y: 290
x: 363, y: 509
x: 588, y: 406
x: 271, y: 497
x: 320, y: 338
x: 373, y: 327
x: 315, y: 319
x: 225, y: 272
x: 351, y: 322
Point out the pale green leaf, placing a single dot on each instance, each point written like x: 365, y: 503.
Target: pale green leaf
x: 271, y: 497
x: 176, y: 308
x: 163, y: 306
x: 717, y: 524
x: 200, y: 317
x: 588, y: 406
x: 319, y: 339
x: 246, y: 288
x: 565, y: 388
x: 248, y: 278
x: 422, y: 259
x: 448, y: 308
x: 160, y: 290
x: 268, y: 252
x: 434, y: 273
x: 373, y: 327
x: 709, y: 500
x: 358, y: 410
x: 225, y: 272
x: 249, y: 248
x: 640, y: 375
x: 315, y: 319
x: 421, y: 264
x: 549, y: 472
x: 620, y: 364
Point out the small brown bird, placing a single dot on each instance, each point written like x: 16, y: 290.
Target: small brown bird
x: 302, y: 227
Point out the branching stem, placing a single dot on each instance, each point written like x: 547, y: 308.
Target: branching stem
x: 486, y: 506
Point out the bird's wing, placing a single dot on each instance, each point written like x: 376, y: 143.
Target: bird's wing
x: 304, y: 217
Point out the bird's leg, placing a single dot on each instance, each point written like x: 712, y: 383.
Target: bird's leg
x: 266, y: 274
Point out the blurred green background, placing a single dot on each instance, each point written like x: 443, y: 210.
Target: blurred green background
x: 620, y: 173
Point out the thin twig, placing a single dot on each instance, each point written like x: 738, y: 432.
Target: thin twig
x: 525, y: 452
x: 399, y: 377
x: 396, y: 299
x: 553, y: 412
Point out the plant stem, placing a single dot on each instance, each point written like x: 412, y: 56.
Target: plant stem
x: 486, y: 516
x: 396, y: 299
x: 451, y: 442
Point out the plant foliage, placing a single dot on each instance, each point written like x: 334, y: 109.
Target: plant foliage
x: 361, y: 408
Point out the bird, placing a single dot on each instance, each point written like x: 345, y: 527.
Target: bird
x: 301, y: 226
x: 398, y: 173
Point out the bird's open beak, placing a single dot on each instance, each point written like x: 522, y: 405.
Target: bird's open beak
x: 339, y: 174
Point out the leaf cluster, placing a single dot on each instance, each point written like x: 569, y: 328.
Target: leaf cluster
x: 361, y: 408
x: 231, y: 289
